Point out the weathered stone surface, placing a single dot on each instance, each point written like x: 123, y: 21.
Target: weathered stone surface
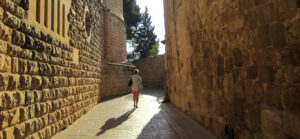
x: 20, y: 97
x: 1, y: 13
x: 241, y: 56
x: 295, y: 55
x: 291, y: 98
x: 15, y: 65
x: 291, y: 124
x: 15, y: 117
x: 3, y: 101
x: 220, y: 62
x: 18, y: 38
x: 36, y: 82
x: 32, y: 67
x: 19, y: 131
x: 287, y: 8
x: 265, y: 13
x: 11, y: 20
x: 278, y: 35
x: 257, y: 2
x: 271, y: 124
x: 50, y: 76
x: 4, y: 32
x: 25, y: 82
x: 5, y: 63
x: 116, y: 78
x: 293, y: 32
x: 4, y: 119
x: 3, y: 82
x: 273, y: 97
x: 264, y: 35
x: 252, y: 72
x: 3, y: 48
x: 8, y: 133
x: 266, y: 73
x: 229, y: 65
x: 152, y: 71
x: 13, y: 50
x: 13, y: 82
x: 22, y: 66
x: 237, y: 57
x: 251, y: 118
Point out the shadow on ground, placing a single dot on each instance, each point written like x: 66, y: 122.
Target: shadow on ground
x: 114, y: 122
x: 159, y: 128
x: 170, y: 123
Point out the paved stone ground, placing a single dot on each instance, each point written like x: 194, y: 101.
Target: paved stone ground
x: 117, y: 119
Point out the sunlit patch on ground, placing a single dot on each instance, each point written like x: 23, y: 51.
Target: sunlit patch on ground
x: 117, y: 119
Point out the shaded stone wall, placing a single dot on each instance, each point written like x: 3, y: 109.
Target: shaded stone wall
x: 152, y: 71
x: 47, y: 81
x: 234, y: 65
x: 115, y: 77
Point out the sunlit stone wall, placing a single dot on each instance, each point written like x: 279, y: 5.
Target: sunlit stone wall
x: 50, y: 60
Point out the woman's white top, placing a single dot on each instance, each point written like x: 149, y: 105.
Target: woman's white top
x: 136, y: 82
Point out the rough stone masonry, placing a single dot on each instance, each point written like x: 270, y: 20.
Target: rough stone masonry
x: 152, y: 71
x: 51, y: 54
x: 234, y: 65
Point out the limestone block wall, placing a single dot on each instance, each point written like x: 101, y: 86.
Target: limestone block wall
x: 115, y: 38
x: 115, y: 79
x: 115, y: 32
x: 115, y: 7
x: 234, y: 65
x: 47, y: 81
x: 152, y: 71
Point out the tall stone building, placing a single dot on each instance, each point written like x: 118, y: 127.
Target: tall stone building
x: 53, y: 56
x: 115, y: 32
x: 234, y: 65
x: 115, y: 69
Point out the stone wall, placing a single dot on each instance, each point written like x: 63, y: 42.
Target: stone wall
x: 115, y: 32
x: 115, y: 77
x: 115, y: 38
x: 115, y: 72
x: 48, y: 80
x: 234, y: 65
x: 152, y: 71
x: 115, y: 7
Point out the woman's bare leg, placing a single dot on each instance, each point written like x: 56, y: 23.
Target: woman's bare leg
x: 133, y: 98
x: 137, y: 99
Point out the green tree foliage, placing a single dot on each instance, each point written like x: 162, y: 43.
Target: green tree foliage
x: 132, y: 16
x: 144, y: 39
x: 154, y: 51
x: 139, y: 31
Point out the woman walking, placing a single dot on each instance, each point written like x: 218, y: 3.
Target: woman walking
x: 136, y: 87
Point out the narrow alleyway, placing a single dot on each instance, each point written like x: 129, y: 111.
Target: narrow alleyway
x: 116, y: 119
